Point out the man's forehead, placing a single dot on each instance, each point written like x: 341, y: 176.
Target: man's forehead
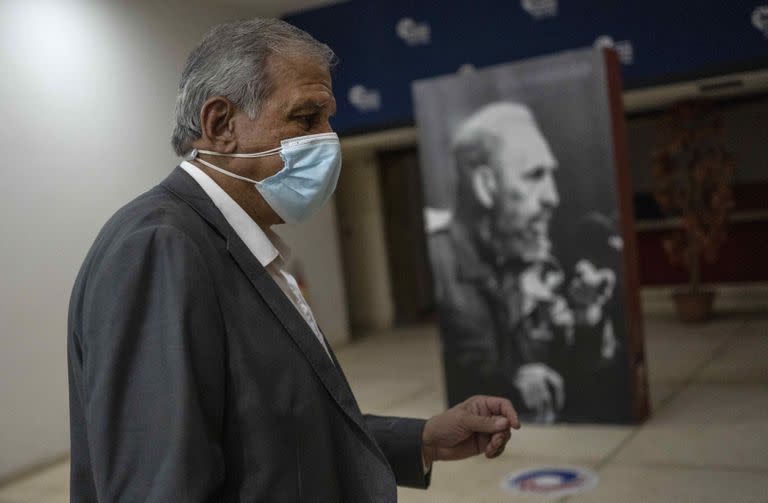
x: 299, y: 71
x: 524, y: 148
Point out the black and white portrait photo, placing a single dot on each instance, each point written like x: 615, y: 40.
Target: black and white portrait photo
x: 521, y: 217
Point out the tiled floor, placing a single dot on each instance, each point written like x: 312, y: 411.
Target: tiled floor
x: 707, y: 440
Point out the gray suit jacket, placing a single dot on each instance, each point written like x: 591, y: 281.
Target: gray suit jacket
x: 194, y: 379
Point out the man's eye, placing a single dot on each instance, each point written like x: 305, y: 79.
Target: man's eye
x: 307, y: 121
x: 536, y: 174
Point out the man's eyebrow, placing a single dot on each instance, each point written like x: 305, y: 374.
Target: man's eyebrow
x: 311, y: 105
x: 539, y: 168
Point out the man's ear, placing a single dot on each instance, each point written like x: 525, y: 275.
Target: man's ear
x: 485, y: 185
x: 216, y: 119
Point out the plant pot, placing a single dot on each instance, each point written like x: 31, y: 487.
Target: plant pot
x: 694, y: 307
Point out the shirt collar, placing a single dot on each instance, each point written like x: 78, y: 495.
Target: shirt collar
x: 266, y: 246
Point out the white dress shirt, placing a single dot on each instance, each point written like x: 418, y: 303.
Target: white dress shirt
x: 267, y: 247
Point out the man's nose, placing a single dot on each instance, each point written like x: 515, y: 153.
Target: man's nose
x: 549, y: 195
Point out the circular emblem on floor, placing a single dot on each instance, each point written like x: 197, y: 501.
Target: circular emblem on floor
x: 552, y: 482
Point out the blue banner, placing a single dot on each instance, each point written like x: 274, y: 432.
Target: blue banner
x: 384, y: 46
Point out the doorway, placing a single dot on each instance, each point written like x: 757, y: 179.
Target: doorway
x: 402, y: 208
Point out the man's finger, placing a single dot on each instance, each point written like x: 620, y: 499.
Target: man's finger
x: 496, y: 440
x: 498, y: 443
x: 483, y: 443
x: 485, y: 424
x: 510, y: 413
x: 494, y: 453
x: 504, y: 407
x: 494, y: 444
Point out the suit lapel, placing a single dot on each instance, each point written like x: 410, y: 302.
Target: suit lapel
x: 296, y: 327
x: 329, y: 373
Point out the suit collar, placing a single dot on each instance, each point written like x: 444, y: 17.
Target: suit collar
x: 259, y: 241
x: 181, y: 184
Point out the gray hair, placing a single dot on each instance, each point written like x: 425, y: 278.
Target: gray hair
x: 478, y: 137
x: 231, y: 61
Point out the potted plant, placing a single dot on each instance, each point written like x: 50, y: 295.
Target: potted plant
x: 692, y: 182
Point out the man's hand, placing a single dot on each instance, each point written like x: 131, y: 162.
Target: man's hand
x: 479, y: 424
x: 542, y: 389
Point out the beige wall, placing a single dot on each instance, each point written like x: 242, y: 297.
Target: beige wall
x: 358, y: 199
x: 86, y: 94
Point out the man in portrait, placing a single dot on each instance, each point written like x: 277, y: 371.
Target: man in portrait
x: 504, y: 320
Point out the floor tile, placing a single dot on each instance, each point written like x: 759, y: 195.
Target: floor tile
x: 706, y: 441
x: 716, y: 404
x: 755, y: 325
x: 386, y: 369
x: 717, y: 426
x: 661, y: 392
x: 49, y: 483
x: 567, y: 442
x: 629, y: 484
x: 56, y: 498
x: 375, y: 395
x: 475, y: 480
x: 412, y: 353
x: 675, y: 351
x: 423, y: 405
x: 743, y: 361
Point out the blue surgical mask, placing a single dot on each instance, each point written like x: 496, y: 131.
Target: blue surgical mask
x: 311, y: 169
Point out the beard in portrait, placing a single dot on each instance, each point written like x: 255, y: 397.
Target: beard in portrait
x: 503, y: 316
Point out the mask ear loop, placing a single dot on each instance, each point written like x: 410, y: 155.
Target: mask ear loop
x: 193, y: 156
x: 253, y: 155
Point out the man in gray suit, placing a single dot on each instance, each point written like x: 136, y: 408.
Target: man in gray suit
x: 197, y: 371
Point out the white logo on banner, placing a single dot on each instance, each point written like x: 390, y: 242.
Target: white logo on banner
x: 413, y: 33
x: 760, y: 19
x: 540, y: 8
x: 364, y: 99
x: 623, y: 48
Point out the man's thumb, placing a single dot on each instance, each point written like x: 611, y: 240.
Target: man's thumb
x: 485, y: 424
